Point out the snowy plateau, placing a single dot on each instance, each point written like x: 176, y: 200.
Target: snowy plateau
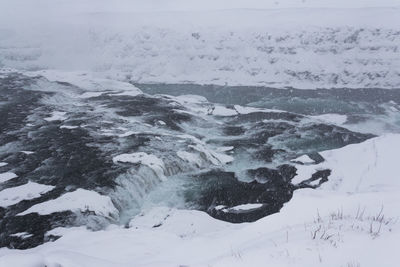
x: 191, y: 133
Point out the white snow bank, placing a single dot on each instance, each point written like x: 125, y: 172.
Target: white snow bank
x: 186, y: 223
x: 88, y: 81
x: 5, y: 176
x: 79, y: 200
x: 31, y: 190
x: 305, y: 159
x: 369, y: 166
x: 2, y: 164
x: 151, y: 161
x: 95, y: 84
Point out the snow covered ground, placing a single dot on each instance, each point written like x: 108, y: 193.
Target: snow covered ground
x: 350, y: 221
x: 11, y: 196
x: 300, y: 44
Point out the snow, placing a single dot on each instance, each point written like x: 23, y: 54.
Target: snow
x: 370, y: 165
x: 102, y: 47
x: 2, y: 164
x: 128, y: 93
x: 91, y: 94
x: 337, y: 119
x: 78, y: 200
x: 302, y: 44
x: 57, y: 116
x: 305, y: 159
x: 5, y: 176
x: 85, y: 6
x: 212, y: 156
x: 22, y: 235
x: 186, y: 223
x: 242, y: 207
x: 303, y: 173
x: 187, y: 99
x: 190, y: 157
x: 223, y: 111
x: 248, y: 110
x: 151, y: 161
x: 219, y: 110
x: 346, y: 222
x: 27, y: 152
x: 224, y: 148
x: 14, y: 195
x: 95, y: 85
x: 69, y: 127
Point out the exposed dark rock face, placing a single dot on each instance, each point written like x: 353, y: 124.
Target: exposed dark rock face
x: 321, y: 175
x: 37, y: 226
x: 219, y: 192
x: 152, y: 108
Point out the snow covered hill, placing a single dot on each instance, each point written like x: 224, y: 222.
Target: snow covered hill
x: 310, y: 44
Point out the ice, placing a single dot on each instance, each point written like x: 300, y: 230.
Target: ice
x: 69, y: 127
x: 79, y: 200
x: 91, y: 94
x: 128, y: 93
x: 22, y: 235
x: 242, y: 207
x: 187, y: 99
x: 14, y: 195
x: 57, y: 116
x: 5, y: 176
x: 212, y: 156
x: 190, y: 157
x: 337, y: 119
x: 151, y: 161
x: 248, y: 110
x: 27, y: 152
x: 222, y: 111
x: 224, y: 148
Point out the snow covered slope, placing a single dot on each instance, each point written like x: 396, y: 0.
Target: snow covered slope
x: 301, y: 44
x: 339, y: 225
